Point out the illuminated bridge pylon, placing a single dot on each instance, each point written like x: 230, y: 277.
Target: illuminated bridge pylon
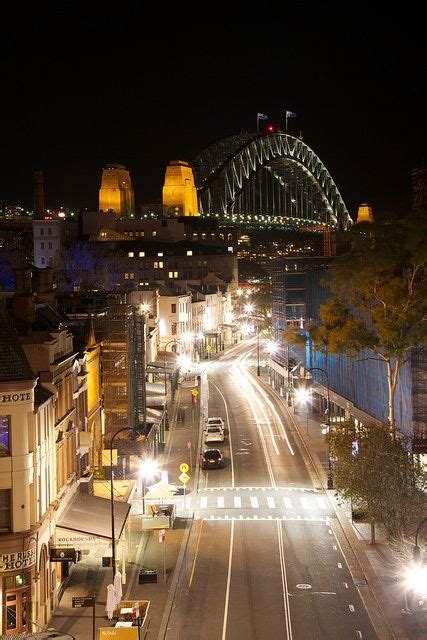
x: 267, y: 180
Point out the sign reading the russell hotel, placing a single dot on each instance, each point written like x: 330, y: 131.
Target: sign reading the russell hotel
x: 15, y: 397
x: 18, y: 560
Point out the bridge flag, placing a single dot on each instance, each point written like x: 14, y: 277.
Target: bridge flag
x: 260, y: 116
x: 289, y: 114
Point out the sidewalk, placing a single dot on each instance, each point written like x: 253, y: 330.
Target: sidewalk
x: 144, y: 549
x: 374, y: 568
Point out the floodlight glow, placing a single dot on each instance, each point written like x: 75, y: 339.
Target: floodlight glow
x: 144, y: 307
x: 199, y: 336
x: 416, y: 578
x: 249, y: 307
x: 271, y: 347
x: 239, y: 292
x: 148, y: 468
x: 184, y: 362
x: 302, y: 396
x: 245, y: 328
x: 187, y: 336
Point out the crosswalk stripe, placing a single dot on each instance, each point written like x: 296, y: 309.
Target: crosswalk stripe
x: 254, y: 502
x: 288, y: 503
x: 203, y: 502
x: 305, y: 503
x: 321, y: 503
x: 237, y: 502
x: 220, y: 502
x: 271, y: 503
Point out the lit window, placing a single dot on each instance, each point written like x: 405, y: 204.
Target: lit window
x: 203, y: 236
x: 189, y: 253
x: 175, y: 274
x: 170, y: 274
x: 4, y: 435
x: 154, y: 233
x: 230, y: 249
x: 160, y: 254
x: 160, y: 265
x: 142, y: 254
x: 155, y: 265
x: 195, y: 236
x: 130, y: 254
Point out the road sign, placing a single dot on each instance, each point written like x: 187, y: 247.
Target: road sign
x: 184, y: 477
x: 184, y: 467
x: 194, y: 392
x: 209, y: 347
x: 83, y: 601
x: 162, y: 535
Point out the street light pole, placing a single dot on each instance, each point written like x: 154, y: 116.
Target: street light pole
x: 113, y: 535
x: 258, y: 372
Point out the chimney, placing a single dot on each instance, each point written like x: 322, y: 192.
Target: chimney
x: 38, y: 195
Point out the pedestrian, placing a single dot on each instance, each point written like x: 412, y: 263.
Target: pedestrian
x: 111, y: 601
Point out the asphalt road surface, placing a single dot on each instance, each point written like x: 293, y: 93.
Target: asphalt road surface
x: 262, y: 561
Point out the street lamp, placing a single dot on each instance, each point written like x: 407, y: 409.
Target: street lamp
x: 302, y: 396
x: 113, y: 535
x: 330, y: 480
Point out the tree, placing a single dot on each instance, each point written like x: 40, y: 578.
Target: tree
x: 379, y: 475
x: 86, y: 267
x: 379, y: 300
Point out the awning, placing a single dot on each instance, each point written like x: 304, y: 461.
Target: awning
x: 91, y: 515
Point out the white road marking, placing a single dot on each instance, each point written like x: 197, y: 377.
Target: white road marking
x: 359, y: 634
x: 270, y: 502
x: 345, y: 584
x: 237, y: 502
x: 220, y: 503
x: 330, y: 531
x: 227, y: 592
x: 334, y: 547
x: 203, y: 502
x: 339, y: 565
x: 254, y: 503
x: 321, y: 503
x: 284, y: 581
x: 229, y: 433
x: 288, y: 503
x: 350, y: 606
x: 305, y: 503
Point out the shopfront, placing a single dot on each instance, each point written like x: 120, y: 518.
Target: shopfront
x: 17, y: 577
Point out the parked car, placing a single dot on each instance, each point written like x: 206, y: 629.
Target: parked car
x: 213, y: 433
x: 211, y: 459
x: 215, y: 421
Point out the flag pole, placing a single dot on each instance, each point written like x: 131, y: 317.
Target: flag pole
x: 257, y: 123
x: 286, y: 120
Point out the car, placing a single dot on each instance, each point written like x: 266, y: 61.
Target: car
x: 213, y: 433
x: 211, y: 459
x: 215, y: 421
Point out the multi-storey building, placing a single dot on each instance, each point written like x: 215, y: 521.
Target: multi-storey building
x: 50, y: 237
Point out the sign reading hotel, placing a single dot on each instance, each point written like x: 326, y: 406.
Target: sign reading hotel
x: 18, y: 560
x: 15, y: 397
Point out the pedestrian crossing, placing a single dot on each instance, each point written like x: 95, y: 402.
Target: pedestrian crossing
x: 268, y: 501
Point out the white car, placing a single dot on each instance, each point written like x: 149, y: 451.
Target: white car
x: 213, y: 433
x: 215, y: 421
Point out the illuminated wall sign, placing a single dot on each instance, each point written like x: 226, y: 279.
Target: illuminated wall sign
x: 15, y: 397
x: 18, y: 560
x: 67, y: 538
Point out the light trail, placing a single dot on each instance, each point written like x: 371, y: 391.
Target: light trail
x: 229, y: 432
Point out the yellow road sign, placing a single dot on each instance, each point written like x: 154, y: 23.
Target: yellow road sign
x: 184, y: 467
x: 209, y: 347
x: 194, y: 392
x: 184, y: 477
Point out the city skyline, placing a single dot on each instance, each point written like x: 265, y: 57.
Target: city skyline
x: 74, y: 106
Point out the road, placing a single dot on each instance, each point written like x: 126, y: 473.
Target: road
x: 262, y: 559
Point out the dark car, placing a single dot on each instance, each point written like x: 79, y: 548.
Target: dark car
x: 211, y: 459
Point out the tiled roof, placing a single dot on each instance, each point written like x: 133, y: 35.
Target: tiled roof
x: 41, y: 394
x: 13, y: 362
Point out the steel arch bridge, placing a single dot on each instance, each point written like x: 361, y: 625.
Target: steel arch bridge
x: 267, y: 180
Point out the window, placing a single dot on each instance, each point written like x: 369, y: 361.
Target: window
x: 129, y: 276
x: 189, y: 253
x: 4, y: 435
x: 158, y: 265
x: 174, y: 328
x: 154, y: 233
x: 230, y: 249
x: 41, y: 245
x: 49, y: 231
x: 173, y: 308
x: 195, y: 236
x: 160, y: 254
x: 43, y: 261
x: 130, y: 254
x: 5, y: 510
x: 203, y: 236
x: 170, y: 274
x: 42, y: 232
x: 50, y: 245
x: 221, y: 236
x: 175, y: 274
x: 142, y: 254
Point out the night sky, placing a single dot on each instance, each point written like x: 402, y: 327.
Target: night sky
x: 83, y: 90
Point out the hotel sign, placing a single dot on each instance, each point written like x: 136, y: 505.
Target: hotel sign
x: 15, y: 397
x: 19, y: 560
